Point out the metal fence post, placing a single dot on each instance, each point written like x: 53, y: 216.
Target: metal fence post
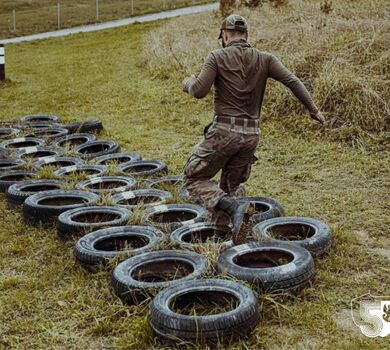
x: 58, y: 16
x: 14, y: 20
x: 97, y: 10
x: 2, y: 62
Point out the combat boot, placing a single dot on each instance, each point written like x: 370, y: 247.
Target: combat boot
x: 236, y: 210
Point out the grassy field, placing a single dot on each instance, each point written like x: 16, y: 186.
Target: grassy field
x: 47, y: 301
x: 41, y: 15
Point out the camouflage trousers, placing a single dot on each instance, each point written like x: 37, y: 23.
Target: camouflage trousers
x: 220, y: 149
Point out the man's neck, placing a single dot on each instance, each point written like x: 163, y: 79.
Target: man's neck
x: 237, y: 41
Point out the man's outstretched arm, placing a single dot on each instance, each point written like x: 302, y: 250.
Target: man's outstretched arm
x: 278, y: 71
x: 200, y: 86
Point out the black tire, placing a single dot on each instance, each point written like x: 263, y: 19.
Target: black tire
x: 58, y: 162
x: 12, y: 177
x: 311, y: 234
x: 264, y: 264
x: 176, y: 327
x: 144, y: 168
x: 108, y: 184
x: 37, y: 118
x: 189, y: 235
x: 86, y: 126
x: 144, y: 197
x: 183, y: 193
x: 7, y: 164
x: 88, y: 170
x: 48, y: 133
x: 118, y: 158
x: 98, y: 247
x: 29, y: 127
x: 6, y: 133
x: 165, y: 183
x: 71, y: 221
x: 265, y: 208
x: 21, y: 142
x: 141, y: 276
x: 73, y: 140
x: 38, y: 152
x: 17, y: 193
x: 172, y: 216
x: 44, y: 207
x: 98, y: 148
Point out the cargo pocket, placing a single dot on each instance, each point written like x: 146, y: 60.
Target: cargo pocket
x: 247, y: 172
x: 200, y: 163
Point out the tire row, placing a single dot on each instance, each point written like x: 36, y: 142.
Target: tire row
x: 185, y: 305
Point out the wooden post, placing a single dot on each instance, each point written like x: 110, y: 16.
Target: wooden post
x: 14, y: 20
x: 2, y: 63
x: 132, y: 7
x: 97, y: 10
x: 58, y: 16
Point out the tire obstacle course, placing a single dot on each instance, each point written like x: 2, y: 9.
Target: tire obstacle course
x: 185, y: 303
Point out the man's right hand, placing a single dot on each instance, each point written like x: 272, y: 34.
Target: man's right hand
x: 318, y: 117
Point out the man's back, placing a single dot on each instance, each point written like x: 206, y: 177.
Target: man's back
x: 239, y: 74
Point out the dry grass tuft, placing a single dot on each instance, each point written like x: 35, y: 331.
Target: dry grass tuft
x: 340, y: 50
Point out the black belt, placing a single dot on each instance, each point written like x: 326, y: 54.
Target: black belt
x: 251, y: 123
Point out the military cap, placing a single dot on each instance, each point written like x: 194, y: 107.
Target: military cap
x: 234, y: 22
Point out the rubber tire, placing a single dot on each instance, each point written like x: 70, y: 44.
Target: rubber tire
x: 69, y: 170
x: 10, y: 164
x: 34, y: 118
x: 63, y: 141
x: 163, y: 195
x: 54, y: 152
x: 6, y: 144
x: 293, y: 276
x: 178, y: 235
x: 275, y: 208
x: 29, y: 127
x: 318, y: 244
x: 35, y: 213
x: 67, y: 227
x: 240, y: 192
x: 129, y: 183
x: 16, y: 195
x: 53, y: 160
x: 5, y: 133
x: 160, y: 168
x: 127, y: 157
x: 196, y: 209
x: 133, y: 291
x: 48, y: 133
x: 5, y: 184
x: 173, y: 180
x: 113, y: 148
x: 87, y: 254
x: 86, y: 126
x: 173, y: 327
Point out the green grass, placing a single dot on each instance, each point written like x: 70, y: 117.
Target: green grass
x: 47, y: 301
x: 41, y: 15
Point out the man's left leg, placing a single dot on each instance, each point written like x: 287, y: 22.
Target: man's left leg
x: 236, y: 171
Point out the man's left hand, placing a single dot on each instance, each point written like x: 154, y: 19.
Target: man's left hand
x: 319, y: 118
x: 186, y: 81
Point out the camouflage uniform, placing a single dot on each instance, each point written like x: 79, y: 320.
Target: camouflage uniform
x: 221, y: 149
x: 239, y: 74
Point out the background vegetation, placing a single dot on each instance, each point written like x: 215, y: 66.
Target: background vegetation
x: 48, y: 301
x: 340, y: 51
x: 34, y: 16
